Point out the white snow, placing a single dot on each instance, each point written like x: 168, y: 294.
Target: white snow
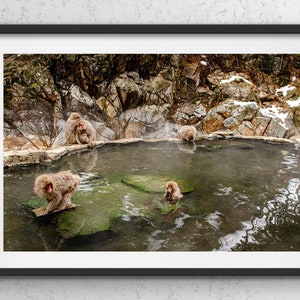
x: 233, y: 78
x: 204, y: 63
x: 284, y: 90
x: 244, y: 103
x: 293, y: 103
x: 275, y: 113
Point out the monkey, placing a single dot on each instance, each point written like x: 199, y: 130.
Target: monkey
x: 187, y: 133
x: 57, y: 189
x: 172, y: 193
x: 85, y: 132
x: 81, y: 136
x: 70, y: 130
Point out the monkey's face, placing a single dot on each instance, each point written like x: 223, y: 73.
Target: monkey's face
x: 190, y: 136
x: 169, y: 189
x: 80, y: 125
x: 49, y: 188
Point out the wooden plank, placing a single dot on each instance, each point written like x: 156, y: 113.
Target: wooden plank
x: 38, y: 211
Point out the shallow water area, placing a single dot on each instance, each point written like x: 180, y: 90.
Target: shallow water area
x: 245, y: 197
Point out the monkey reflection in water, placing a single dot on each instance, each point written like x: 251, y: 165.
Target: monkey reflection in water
x: 57, y: 189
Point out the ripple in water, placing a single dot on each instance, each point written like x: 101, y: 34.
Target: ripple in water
x: 129, y: 209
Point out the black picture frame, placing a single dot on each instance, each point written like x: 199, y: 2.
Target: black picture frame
x: 286, y: 29
x: 149, y: 272
x: 149, y: 29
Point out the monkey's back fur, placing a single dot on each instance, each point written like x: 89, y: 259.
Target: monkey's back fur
x: 187, y: 132
x: 70, y: 129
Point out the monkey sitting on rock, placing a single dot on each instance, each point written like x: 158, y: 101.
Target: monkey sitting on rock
x: 79, y: 131
x: 57, y: 189
x: 172, y: 193
x: 187, y: 133
x: 85, y: 132
x: 70, y: 130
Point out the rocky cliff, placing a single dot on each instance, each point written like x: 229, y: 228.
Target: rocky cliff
x: 148, y: 96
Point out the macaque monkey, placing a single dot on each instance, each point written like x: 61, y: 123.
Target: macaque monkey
x: 85, y: 132
x: 70, y: 130
x: 187, y: 133
x: 57, y: 189
x: 172, y: 193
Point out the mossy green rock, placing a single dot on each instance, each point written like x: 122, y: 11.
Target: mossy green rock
x: 100, y: 206
x: 156, y: 184
x: 35, y: 203
x: 165, y: 208
x: 212, y: 148
x: 100, y: 202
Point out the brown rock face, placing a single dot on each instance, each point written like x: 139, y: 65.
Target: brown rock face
x: 115, y: 91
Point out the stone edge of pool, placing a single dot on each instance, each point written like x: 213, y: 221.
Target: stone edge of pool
x: 17, y: 158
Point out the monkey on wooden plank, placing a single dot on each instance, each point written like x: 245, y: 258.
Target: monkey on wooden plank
x: 57, y: 189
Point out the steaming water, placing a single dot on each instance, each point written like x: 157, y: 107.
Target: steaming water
x: 246, y: 198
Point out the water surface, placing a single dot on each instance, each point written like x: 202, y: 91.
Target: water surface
x: 245, y: 199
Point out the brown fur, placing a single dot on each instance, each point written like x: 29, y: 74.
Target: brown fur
x: 187, y: 133
x: 85, y: 132
x: 63, y: 184
x: 172, y: 192
x: 70, y: 130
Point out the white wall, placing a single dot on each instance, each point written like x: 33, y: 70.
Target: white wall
x: 152, y: 12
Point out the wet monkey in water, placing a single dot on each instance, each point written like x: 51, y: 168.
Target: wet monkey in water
x: 57, y: 189
x: 172, y: 192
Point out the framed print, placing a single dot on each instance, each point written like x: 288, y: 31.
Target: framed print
x: 150, y: 150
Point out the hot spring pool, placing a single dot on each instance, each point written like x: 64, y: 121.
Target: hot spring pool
x: 245, y: 198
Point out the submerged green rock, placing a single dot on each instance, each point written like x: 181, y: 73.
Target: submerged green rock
x: 101, y: 201
x: 35, y: 203
x: 165, y: 208
x: 156, y: 184
x: 212, y: 148
x: 100, y: 207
